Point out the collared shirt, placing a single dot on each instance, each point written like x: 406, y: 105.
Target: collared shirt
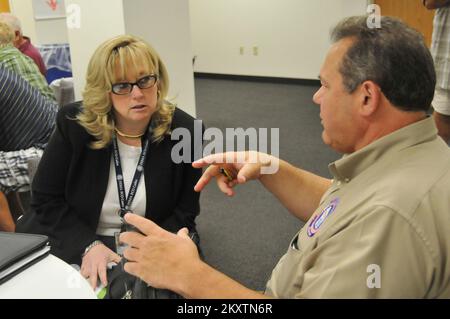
x: 28, y: 49
x: 382, y: 230
x: 440, y: 47
x: 16, y: 61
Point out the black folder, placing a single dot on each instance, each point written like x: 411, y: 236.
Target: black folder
x: 20, y: 251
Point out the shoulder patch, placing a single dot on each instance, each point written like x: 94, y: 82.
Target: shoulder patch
x: 319, y: 219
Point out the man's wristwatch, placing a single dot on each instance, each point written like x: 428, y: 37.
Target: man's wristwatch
x: 93, y: 244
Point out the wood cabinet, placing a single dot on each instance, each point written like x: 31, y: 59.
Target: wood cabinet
x: 412, y: 12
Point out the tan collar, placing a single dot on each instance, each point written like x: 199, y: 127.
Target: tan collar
x: 350, y: 165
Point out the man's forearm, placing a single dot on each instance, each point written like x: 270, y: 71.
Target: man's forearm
x: 204, y: 282
x: 298, y: 190
x: 436, y: 4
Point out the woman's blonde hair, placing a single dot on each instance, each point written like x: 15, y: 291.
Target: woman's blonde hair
x: 114, y: 55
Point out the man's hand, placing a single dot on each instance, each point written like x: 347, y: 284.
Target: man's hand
x: 160, y: 258
x: 166, y: 260
x: 242, y: 166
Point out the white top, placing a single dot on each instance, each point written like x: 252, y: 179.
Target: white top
x: 109, y: 222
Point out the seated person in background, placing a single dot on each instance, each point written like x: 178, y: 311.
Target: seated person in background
x: 82, y: 186
x: 381, y: 227
x: 22, y: 42
x: 18, y: 62
x: 27, y: 120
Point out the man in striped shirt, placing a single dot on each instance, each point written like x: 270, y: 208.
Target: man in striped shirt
x: 440, y: 49
x: 13, y: 59
x: 27, y: 119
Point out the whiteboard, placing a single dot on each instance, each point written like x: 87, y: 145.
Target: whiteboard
x: 49, y: 9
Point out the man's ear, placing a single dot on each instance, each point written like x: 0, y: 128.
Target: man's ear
x: 16, y: 40
x: 370, y: 98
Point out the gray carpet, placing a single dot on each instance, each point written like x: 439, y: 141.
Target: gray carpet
x: 245, y: 236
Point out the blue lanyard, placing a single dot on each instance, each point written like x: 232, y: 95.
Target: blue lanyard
x: 125, y: 202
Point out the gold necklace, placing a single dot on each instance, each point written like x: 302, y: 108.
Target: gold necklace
x: 126, y: 135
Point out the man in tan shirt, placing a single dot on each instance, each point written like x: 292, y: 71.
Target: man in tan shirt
x: 381, y: 227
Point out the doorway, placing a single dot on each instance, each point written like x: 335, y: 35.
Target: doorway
x: 412, y: 12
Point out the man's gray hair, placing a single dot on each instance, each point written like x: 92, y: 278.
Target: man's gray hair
x: 6, y: 35
x: 12, y: 21
x: 394, y: 56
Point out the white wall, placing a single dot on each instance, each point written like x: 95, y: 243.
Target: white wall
x: 97, y: 25
x: 40, y: 31
x: 292, y: 36
x: 23, y: 9
x: 51, y: 31
x: 166, y: 26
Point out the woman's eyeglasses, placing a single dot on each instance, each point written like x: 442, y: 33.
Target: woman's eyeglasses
x: 145, y: 82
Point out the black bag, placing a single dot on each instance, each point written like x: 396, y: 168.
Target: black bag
x: 122, y: 285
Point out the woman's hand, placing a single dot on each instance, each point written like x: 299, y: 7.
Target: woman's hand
x: 94, y: 264
x: 241, y: 166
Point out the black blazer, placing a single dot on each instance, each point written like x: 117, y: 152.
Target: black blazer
x: 70, y: 185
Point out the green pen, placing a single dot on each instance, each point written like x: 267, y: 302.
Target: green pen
x: 226, y: 173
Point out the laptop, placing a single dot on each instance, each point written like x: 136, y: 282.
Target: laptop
x: 20, y: 251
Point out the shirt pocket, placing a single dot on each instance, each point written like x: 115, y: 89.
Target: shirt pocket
x: 287, y: 277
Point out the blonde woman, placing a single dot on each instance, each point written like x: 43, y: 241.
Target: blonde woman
x: 89, y: 174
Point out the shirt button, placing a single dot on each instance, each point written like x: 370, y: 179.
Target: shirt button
x: 347, y: 180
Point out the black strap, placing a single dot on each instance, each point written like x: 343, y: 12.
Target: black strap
x: 125, y: 202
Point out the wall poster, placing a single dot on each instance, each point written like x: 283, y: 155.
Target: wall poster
x: 49, y: 9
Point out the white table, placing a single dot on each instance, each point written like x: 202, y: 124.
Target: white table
x: 50, y: 278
